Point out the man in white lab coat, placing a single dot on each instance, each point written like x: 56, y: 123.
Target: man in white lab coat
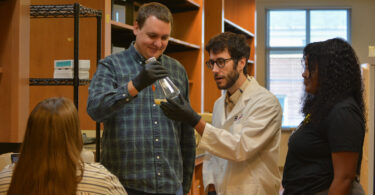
x: 242, y: 143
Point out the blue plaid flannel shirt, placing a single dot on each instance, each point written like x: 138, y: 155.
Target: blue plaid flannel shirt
x: 141, y: 146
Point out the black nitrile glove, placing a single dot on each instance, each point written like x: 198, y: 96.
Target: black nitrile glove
x: 179, y: 109
x: 150, y: 72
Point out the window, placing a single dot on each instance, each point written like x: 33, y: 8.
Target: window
x: 288, y: 32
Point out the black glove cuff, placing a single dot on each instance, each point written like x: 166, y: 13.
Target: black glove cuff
x: 137, y: 84
x: 195, y: 119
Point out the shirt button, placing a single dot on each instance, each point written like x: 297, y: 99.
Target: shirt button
x: 140, y: 62
x: 156, y: 122
x: 153, y: 105
x: 158, y: 157
x: 123, y: 95
x: 157, y: 139
x: 159, y: 174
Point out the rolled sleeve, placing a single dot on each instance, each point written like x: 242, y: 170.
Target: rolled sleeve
x: 105, y: 93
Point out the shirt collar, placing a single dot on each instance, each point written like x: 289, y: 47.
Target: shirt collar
x: 231, y: 100
x: 138, y: 57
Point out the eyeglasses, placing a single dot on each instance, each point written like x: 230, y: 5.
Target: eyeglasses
x: 220, y: 62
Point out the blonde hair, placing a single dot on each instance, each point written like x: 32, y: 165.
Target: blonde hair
x: 50, y: 152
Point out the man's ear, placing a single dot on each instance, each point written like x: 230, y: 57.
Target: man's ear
x: 241, y: 64
x: 136, y: 28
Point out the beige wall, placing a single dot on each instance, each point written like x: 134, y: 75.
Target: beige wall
x: 363, y: 26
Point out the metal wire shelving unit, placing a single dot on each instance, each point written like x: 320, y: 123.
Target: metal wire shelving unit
x: 75, y: 11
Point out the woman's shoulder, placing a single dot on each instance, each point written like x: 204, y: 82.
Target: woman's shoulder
x: 7, y: 170
x: 345, y: 104
x: 346, y: 110
x: 6, y: 177
x: 95, y: 168
x: 97, y: 177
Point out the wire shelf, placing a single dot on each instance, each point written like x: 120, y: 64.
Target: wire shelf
x: 61, y: 11
x: 175, y: 5
x: 51, y: 81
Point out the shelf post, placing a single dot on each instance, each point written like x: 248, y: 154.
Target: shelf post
x: 129, y: 6
x: 76, y: 54
x: 98, y: 56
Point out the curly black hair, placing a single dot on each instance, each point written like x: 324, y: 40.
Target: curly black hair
x: 339, y: 77
x: 235, y: 43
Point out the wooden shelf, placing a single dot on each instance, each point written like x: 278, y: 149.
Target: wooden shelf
x: 121, y: 26
x: 175, y: 5
x: 122, y: 36
x: 232, y: 27
x: 176, y: 45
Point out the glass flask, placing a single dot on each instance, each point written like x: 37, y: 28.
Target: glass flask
x: 164, y: 88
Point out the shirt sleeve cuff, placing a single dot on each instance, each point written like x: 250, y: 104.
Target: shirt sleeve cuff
x: 124, y: 94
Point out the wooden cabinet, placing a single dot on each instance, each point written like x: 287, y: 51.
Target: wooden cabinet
x: 14, y: 69
x: 236, y: 16
x: 197, y: 187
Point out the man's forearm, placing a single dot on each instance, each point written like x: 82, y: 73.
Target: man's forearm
x: 132, y: 90
x: 200, y: 126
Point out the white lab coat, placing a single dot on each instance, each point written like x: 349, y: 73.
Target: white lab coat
x: 243, y: 149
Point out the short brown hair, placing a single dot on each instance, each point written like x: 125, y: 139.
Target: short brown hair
x: 158, y: 10
x: 235, y: 43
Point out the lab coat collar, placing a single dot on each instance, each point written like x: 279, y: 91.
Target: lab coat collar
x: 245, y: 97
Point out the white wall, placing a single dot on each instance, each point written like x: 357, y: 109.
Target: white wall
x: 363, y: 25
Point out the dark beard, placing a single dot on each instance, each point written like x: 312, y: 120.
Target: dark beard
x: 231, y: 78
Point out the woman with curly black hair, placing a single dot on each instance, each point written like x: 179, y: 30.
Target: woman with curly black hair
x: 325, y: 151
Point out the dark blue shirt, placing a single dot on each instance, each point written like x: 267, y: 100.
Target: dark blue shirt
x: 141, y: 146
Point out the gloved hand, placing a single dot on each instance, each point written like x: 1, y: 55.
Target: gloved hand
x: 179, y: 109
x: 150, y: 72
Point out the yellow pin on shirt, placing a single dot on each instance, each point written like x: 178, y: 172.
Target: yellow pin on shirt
x: 306, y: 119
x: 304, y: 122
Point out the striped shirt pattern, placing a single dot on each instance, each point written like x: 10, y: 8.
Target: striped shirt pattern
x: 147, y: 151
x: 96, y: 180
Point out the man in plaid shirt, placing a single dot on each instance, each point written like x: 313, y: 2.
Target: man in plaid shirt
x: 149, y: 153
